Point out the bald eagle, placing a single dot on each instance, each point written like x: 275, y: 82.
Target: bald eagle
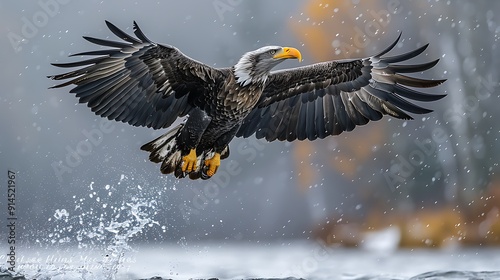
x: 144, y: 83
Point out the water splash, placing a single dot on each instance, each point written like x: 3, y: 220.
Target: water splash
x: 138, y: 218
x: 98, y: 223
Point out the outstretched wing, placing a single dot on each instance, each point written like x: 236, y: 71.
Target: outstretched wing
x: 138, y: 81
x: 331, y: 97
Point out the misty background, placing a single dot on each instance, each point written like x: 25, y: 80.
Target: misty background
x: 443, y: 164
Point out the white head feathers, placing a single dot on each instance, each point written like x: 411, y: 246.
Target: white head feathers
x: 246, y: 69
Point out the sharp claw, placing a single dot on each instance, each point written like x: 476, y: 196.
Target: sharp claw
x: 204, y: 175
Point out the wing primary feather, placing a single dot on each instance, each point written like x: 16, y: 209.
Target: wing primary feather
x: 389, y: 48
x: 410, y: 93
x: 98, y: 52
x: 397, y: 101
x: 138, y: 32
x: 76, y: 64
x: 107, y: 43
x: 405, y: 56
x: 122, y: 35
x: 416, y: 82
x: 413, y: 68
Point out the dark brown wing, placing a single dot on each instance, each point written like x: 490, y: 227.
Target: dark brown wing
x: 139, y: 82
x: 331, y: 97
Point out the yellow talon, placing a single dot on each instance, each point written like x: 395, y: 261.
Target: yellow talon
x: 189, y: 161
x: 213, y: 164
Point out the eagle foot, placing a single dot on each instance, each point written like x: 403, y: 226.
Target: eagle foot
x: 189, y: 161
x: 211, y: 165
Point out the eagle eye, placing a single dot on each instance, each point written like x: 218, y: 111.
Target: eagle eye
x: 272, y: 52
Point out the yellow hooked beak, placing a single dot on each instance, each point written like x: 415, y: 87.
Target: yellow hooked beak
x: 287, y: 52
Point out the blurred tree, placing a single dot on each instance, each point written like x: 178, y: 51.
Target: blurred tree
x: 446, y: 157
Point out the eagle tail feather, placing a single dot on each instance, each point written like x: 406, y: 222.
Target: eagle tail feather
x: 165, y: 149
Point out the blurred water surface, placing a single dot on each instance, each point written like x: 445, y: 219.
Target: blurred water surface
x: 307, y: 260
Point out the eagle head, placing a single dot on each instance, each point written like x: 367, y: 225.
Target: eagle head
x: 254, y: 66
